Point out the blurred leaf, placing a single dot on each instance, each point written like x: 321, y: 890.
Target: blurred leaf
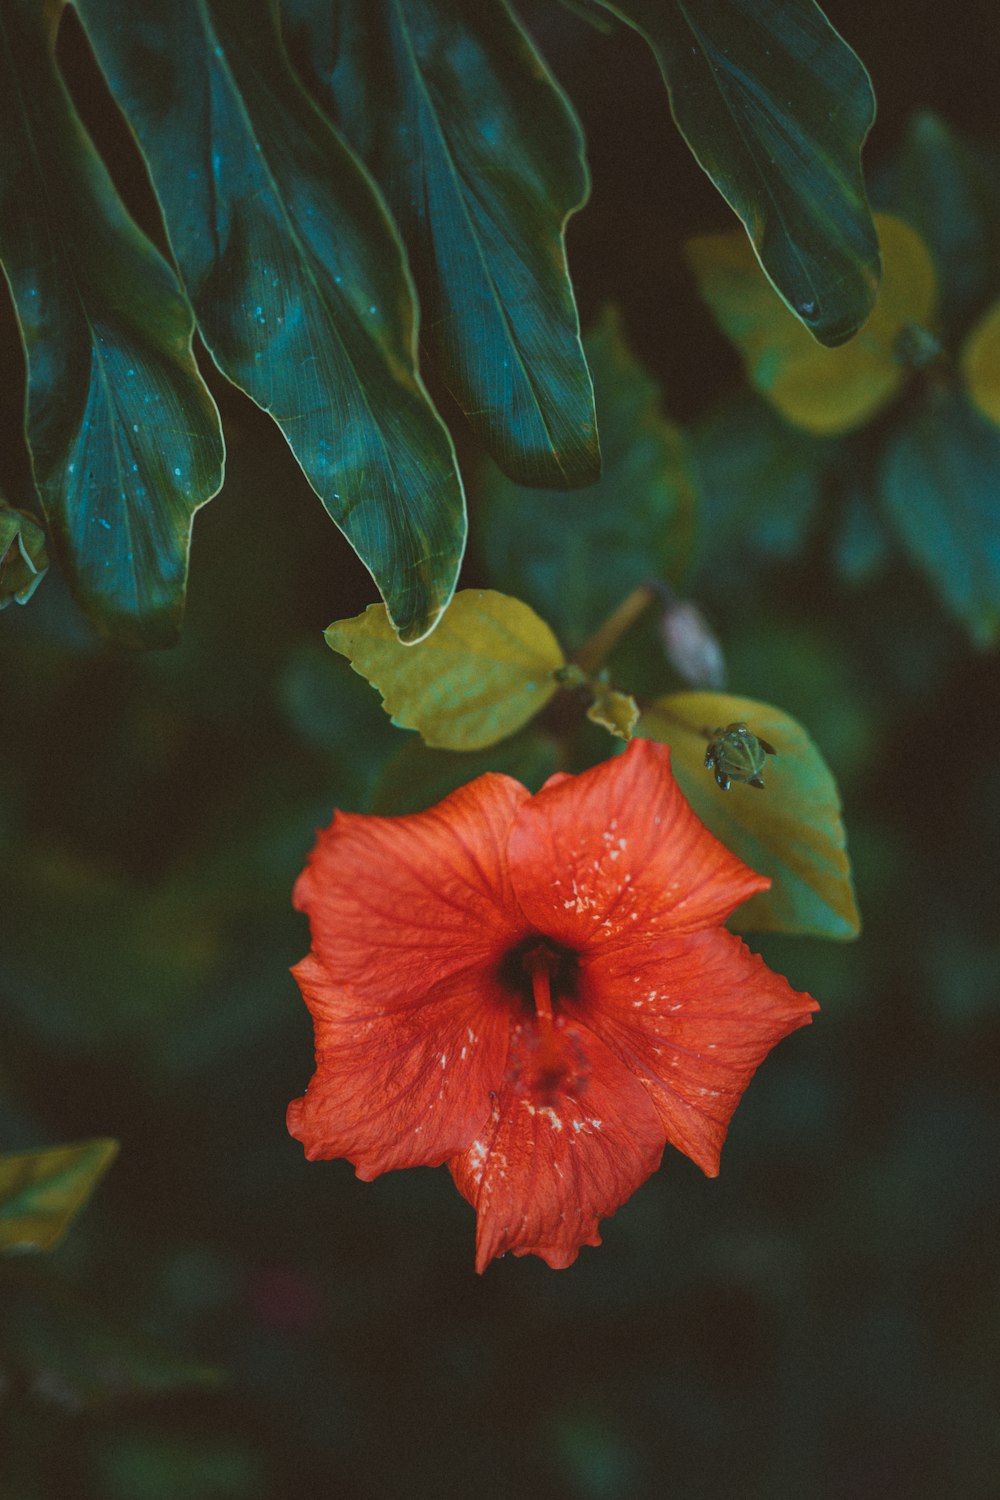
x: 480, y: 157
x: 940, y: 480
x: 760, y: 481
x: 75, y: 1357
x: 297, y: 278
x: 578, y: 556
x: 180, y: 1466
x: 23, y: 558
x: 776, y: 107
x: 485, y: 671
x: 790, y: 831
x: 822, y: 390
x: 418, y: 777
x: 861, y: 548
x: 41, y: 1192
x: 981, y: 364
x: 124, y: 436
x: 949, y: 195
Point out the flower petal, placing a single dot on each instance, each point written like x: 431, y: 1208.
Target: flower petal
x: 617, y: 851
x: 553, y: 1161
x: 397, y: 904
x: 692, y: 1016
x: 399, y: 1086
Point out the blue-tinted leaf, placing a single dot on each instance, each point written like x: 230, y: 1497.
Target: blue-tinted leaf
x: 480, y: 158
x: 776, y: 107
x: 760, y: 480
x: 297, y: 278
x: 124, y: 436
x: 948, y: 193
x: 940, y: 483
x: 575, y: 557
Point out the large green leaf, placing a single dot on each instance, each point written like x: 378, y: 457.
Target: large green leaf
x: 791, y: 830
x: 822, y: 390
x: 41, y: 1192
x: 485, y: 671
x: 776, y: 107
x: 124, y: 436
x: 577, y: 556
x: 480, y: 158
x: 940, y: 481
x: 297, y: 278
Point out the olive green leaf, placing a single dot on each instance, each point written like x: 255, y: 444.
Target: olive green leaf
x: 940, y: 479
x: 417, y: 777
x: 41, y: 1192
x: 480, y: 158
x: 297, y: 278
x: 485, y: 671
x: 981, y: 364
x: 23, y: 558
x: 822, y: 390
x: 791, y: 830
x: 124, y: 437
x: 577, y: 556
x: 776, y: 107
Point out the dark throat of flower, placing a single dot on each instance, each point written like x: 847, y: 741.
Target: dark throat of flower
x: 542, y: 976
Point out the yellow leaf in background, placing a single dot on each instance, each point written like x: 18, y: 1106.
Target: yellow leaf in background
x: 826, y: 391
x: 616, y: 712
x: 981, y: 364
x: 483, y: 672
x: 41, y: 1192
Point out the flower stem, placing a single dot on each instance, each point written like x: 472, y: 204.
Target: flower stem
x: 594, y: 652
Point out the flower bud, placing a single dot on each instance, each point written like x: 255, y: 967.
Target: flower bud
x: 23, y: 559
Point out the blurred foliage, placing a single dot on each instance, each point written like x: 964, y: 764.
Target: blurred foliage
x: 228, y: 1321
x: 41, y: 1192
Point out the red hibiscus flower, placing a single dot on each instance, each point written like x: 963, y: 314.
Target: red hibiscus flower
x: 536, y: 990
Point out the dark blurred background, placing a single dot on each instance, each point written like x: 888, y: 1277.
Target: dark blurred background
x: 228, y: 1322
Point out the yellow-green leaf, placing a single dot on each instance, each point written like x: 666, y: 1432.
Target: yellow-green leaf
x: 823, y: 390
x: 41, y: 1192
x: 791, y: 830
x: 981, y: 364
x: 486, y: 670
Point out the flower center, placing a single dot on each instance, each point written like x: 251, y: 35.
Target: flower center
x: 540, y: 974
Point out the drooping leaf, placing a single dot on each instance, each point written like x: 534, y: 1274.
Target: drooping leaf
x: 41, y: 1192
x: 577, y: 556
x: 297, y: 278
x: 822, y: 390
x: 940, y: 481
x: 950, y: 196
x: 77, y: 1357
x: 23, y: 558
x: 981, y: 364
x: 480, y: 158
x: 791, y: 830
x: 759, y: 481
x: 485, y: 671
x: 124, y: 437
x: 776, y: 107
x: 418, y: 777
